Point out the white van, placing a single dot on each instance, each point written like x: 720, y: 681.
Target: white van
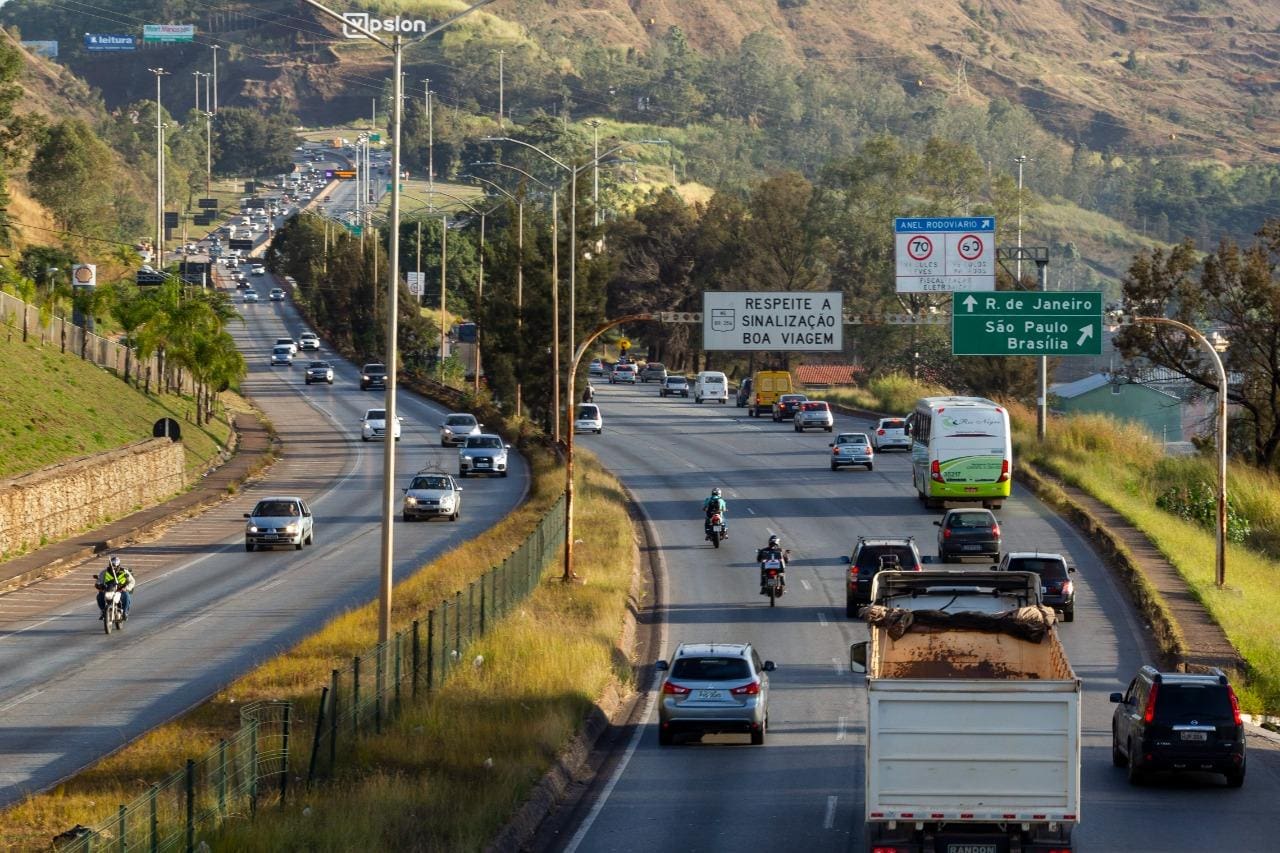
x: 711, y: 385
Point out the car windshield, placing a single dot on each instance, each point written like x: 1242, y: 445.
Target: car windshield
x: 1046, y: 568
x: 896, y: 423
x: 711, y: 669
x: 654, y: 365
x: 969, y: 520
x: 281, y: 350
x: 319, y: 365
x: 375, y: 368
x: 792, y: 398
x: 375, y: 415
x: 1177, y: 702
x: 851, y: 438
x: 460, y: 420
x: 275, y: 509
x: 676, y: 380
x: 430, y: 483
x: 869, y: 557
x: 484, y: 441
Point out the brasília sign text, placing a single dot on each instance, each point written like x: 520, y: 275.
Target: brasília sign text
x: 1026, y: 322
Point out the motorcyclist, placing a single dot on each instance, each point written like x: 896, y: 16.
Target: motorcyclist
x: 773, y: 551
x: 589, y: 394
x: 712, y: 505
x: 123, y: 578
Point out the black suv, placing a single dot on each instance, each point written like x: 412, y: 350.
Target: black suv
x: 373, y: 376
x: 786, y: 406
x: 870, y: 555
x: 1056, y: 588
x: 1178, y: 721
x: 744, y: 393
x: 968, y: 533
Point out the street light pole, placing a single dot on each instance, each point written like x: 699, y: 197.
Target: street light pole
x: 519, y: 268
x: 1220, y: 574
x: 216, y: 48
x: 392, y: 307
x: 159, y: 247
x: 208, y: 153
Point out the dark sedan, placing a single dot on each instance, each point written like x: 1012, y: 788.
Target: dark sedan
x: 968, y: 533
x: 787, y: 405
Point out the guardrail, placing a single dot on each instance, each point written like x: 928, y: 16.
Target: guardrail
x: 233, y: 779
x: 364, y: 696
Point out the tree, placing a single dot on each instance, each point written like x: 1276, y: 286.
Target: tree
x: 1238, y: 290
x: 253, y: 143
x: 70, y: 174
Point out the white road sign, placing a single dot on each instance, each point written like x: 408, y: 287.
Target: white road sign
x: 416, y: 281
x: 945, y: 255
x: 776, y: 321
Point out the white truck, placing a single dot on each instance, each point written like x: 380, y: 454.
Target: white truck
x: 973, y: 724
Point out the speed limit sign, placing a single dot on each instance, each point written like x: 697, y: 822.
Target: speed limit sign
x: 945, y: 255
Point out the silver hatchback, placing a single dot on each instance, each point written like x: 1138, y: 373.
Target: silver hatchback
x: 852, y: 448
x: 712, y: 688
x: 814, y: 414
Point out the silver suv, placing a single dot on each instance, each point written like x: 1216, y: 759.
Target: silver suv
x: 483, y: 454
x: 712, y: 688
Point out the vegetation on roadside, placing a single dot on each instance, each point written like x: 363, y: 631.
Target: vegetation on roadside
x: 1123, y: 466
x: 544, y: 667
x: 58, y: 407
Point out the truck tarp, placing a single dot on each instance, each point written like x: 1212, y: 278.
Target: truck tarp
x: 1026, y: 623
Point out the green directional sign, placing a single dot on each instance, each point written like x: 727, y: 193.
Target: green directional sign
x: 1022, y: 322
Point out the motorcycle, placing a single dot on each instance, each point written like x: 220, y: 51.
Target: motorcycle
x: 716, y: 529
x: 773, y: 572
x: 113, y: 610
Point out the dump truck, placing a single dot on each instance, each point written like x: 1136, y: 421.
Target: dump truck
x: 973, y: 723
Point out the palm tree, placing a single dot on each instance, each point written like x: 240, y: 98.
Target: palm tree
x: 132, y: 309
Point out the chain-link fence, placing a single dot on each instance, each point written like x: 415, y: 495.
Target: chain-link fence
x: 232, y: 780
x: 363, y: 696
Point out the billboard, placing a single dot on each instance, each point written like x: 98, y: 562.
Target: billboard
x: 773, y: 321
x: 42, y: 48
x: 167, y: 33
x: 99, y: 42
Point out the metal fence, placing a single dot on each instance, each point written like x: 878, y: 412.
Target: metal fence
x: 243, y: 772
x: 70, y: 338
x: 363, y: 697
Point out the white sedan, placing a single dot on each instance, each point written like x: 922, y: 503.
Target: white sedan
x: 374, y: 425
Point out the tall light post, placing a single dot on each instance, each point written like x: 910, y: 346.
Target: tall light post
x: 392, y: 302
x: 1021, y: 159
x: 216, y: 48
x: 197, y: 75
x: 1042, y: 367
x: 1213, y: 348
x: 208, y: 153
x: 519, y: 268
x: 555, y: 293
x: 159, y: 247
x: 595, y: 171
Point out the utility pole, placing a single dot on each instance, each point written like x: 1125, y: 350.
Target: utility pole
x: 216, y: 48
x: 208, y: 152
x: 444, y: 231
x: 500, y: 90
x: 197, y: 75
x: 431, y: 142
x: 418, y: 267
x: 158, y: 258
x: 595, y: 171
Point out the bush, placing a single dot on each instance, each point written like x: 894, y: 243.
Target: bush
x: 1198, y: 503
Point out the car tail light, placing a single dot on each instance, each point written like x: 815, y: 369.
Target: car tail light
x: 879, y: 432
x: 752, y: 689
x: 1235, y: 706
x: 1004, y: 472
x: 995, y: 530
x: 1149, y: 714
x: 773, y: 573
x: 946, y: 533
x: 835, y: 451
x: 675, y: 689
x: 853, y: 571
x: 935, y: 472
x: 1068, y: 587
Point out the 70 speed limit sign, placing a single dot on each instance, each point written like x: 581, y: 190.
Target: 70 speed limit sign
x: 946, y: 254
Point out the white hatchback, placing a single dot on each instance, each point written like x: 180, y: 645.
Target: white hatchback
x: 589, y: 419
x: 374, y: 425
x: 891, y: 432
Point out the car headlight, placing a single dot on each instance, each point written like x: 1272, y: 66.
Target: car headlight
x: 364, y: 376
x: 291, y: 528
x: 410, y: 501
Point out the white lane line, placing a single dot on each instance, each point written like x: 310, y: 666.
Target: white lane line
x: 839, y: 667
x: 804, y: 583
x: 822, y: 619
x: 829, y: 819
x: 750, y: 510
x: 191, y: 622
x: 30, y: 694
x: 617, y: 774
x: 841, y: 722
x: 275, y: 583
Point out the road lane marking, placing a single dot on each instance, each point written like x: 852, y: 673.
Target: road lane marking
x: 750, y: 510
x: 822, y: 619
x: 841, y: 723
x: 839, y: 667
x: 829, y: 819
x: 30, y: 694
x: 804, y: 583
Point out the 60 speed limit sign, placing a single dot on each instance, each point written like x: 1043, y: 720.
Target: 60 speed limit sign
x: 945, y: 254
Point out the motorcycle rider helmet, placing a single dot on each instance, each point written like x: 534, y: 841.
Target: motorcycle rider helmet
x: 715, y: 493
x: 114, y: 562
x: 774, y: 541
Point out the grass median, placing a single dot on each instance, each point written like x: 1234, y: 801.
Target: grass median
x: 466, y: 757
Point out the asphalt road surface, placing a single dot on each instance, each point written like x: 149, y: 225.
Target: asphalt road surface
x: 803, y: 790
x: 205, y: 611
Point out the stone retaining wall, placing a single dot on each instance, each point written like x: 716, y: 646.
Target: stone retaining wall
x: 57, y: 501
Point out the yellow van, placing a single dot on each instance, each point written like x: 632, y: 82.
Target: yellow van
x: 766, y: 387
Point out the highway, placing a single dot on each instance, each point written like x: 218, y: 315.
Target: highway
x: 803, y: 789
x: 205, y: 611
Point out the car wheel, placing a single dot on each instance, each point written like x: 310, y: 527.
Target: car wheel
x: 1069, y: 615
x: 757, y: 737
x: 835, y: 467
x: 664, y: 737
x: 850, y: 608
x: 444, y: 443
x: 364, y: 438
x: 308, y: 380
x: 1135, y: 774
x: 504, y: 473
x: 871, y: 466
x: 698, y: 400
x: 330, y: 381
x: 248, y: 546
x: 297, y: 546
x: 406, y: 518
x: 454, y: 517
x: 828, y: 429
x: 1235, y: 778
x: 1117, y: 757
x: 462, y: 474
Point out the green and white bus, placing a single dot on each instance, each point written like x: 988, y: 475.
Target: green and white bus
x: 960, y: 451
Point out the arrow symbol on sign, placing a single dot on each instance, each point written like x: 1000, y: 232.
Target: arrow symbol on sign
x: 1085, y: 334
x: 968, y: 302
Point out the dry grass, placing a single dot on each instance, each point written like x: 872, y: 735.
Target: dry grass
x: 544, y: 666
x: 894, y: 393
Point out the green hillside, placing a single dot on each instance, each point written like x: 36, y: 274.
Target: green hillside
x: 55, y: 407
